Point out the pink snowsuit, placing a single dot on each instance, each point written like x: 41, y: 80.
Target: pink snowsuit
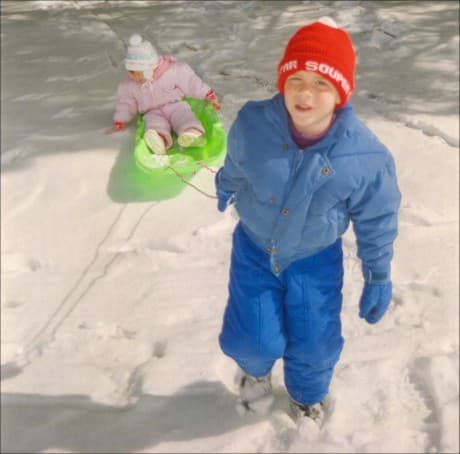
x: 160, y: 99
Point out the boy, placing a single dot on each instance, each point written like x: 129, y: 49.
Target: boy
x: 299, y: 167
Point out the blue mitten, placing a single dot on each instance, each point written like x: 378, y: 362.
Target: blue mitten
x: 374, y: 301
x: 225, y: 198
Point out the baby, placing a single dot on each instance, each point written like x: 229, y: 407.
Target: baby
x: 155, y: 88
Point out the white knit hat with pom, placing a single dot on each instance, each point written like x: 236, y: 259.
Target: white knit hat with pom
x: 141, y: 55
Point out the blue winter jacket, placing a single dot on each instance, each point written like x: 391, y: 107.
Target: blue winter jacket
x: 294, y: 202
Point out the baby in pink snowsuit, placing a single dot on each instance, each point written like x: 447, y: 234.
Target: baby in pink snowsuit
x: 155, y: 88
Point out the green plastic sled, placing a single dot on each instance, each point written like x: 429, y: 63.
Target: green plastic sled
x: 184, y: 161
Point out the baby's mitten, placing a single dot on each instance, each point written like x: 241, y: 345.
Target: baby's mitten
x: 117, y: 126
x: 212, y: 98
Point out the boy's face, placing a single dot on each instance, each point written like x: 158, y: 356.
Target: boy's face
x: 138, y: 76
x: 310, y: 100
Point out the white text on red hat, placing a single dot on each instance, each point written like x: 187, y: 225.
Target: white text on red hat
x: 288, y: 66
x: 333, y: 73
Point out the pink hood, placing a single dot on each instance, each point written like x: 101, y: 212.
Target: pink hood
x: 163, y: 65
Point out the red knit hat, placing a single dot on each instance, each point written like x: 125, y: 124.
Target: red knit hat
x: 323, y: 48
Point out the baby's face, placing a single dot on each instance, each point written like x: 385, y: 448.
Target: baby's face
x: 138, y: 76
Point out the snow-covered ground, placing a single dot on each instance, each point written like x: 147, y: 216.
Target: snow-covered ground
x: 112, y: 296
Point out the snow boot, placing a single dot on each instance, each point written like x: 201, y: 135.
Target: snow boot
x: 191, y: 137
x: 155, y: 142
x: 314, y: 412
x: 255, y: 394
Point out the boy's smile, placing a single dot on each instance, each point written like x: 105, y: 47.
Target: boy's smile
x: 301, y: 108
x: 310, y: 100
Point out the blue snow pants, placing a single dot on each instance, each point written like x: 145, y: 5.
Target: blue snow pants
x: 295, y: 316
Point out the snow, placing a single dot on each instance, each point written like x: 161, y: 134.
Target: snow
x: 113, y: 292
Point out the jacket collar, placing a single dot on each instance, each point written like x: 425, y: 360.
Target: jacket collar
x: 165, y: 62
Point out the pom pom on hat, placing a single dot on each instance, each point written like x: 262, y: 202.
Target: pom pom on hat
x: 323, y: 48
x: 326, y: 20
x: 141, y: 55
x: 135, y: 39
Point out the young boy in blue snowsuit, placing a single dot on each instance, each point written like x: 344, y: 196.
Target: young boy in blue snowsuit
x: 299, y: 168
